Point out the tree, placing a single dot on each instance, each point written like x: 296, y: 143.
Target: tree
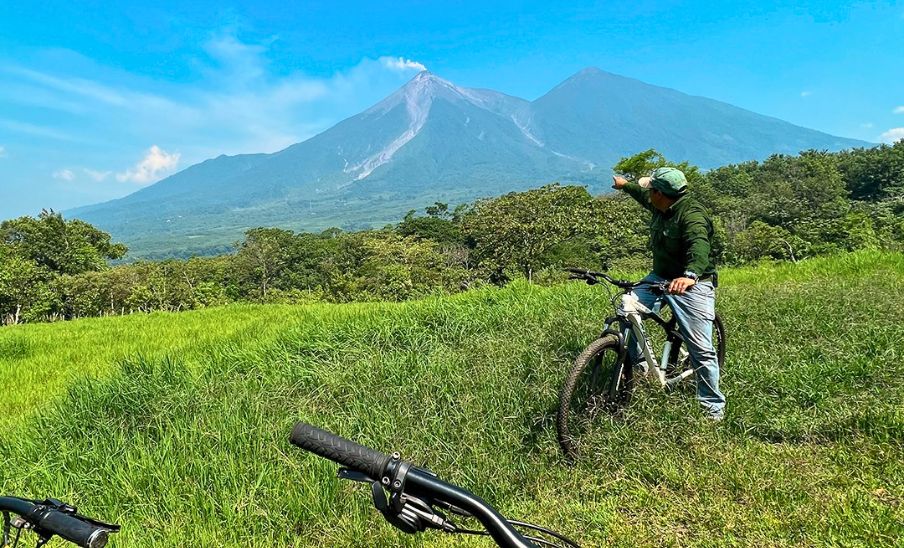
x: 63, y: 247
x: 874, y: 173
x: 438, y: 210
x: 398, y: 267
x: 26, y: 293
x: 765, y: 241
x: 640, y: 164
x: 264, y: 256
x: 515, y: 231
x: 437, y: 226
x: 643, y: 163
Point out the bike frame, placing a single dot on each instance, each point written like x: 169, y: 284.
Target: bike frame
x: 630, y: 315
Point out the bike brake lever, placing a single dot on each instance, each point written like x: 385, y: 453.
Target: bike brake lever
x: 403, y: 518
x: 379, y: 497
x: 354, y: 475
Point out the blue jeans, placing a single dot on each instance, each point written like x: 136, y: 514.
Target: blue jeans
x: 695, y: 312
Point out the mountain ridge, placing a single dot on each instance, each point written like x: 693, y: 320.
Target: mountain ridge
x: 432, y: 140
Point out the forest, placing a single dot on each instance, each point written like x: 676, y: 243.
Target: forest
x: 786, y: 208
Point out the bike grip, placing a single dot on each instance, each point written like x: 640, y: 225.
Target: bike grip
x: 68, y: 527
x: 338, y: 449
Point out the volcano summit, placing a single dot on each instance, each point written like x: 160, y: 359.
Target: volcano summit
x: 434, y: 141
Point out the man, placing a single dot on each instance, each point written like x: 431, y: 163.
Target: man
x: 681, y: 235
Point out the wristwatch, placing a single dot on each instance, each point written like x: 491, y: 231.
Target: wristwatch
x: 691, y: 275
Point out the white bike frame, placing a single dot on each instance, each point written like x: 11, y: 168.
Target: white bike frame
x: 631, y: 312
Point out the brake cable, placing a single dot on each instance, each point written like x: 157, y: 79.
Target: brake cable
x: 411, y: 514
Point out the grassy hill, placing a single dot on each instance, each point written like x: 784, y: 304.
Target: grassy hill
x: 177, y: 425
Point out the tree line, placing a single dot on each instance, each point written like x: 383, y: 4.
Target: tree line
x: 784, y: 208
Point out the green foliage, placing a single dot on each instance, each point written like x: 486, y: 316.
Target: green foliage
x: 874, y: 173
x: 63, y: 247
x: 403, y: 267
x: 36, y: 253
x: 785, y: 208
x: 512, y: 233
x: 264, y: 257
x: 436, y: 228
x: 641, y: 164
x: 761, y: 240
x: 796, y: 207
x: 26, y: 292
x: 644, y: 163
x: 619, y: 234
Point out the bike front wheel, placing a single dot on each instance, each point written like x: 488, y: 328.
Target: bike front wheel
x: 599, y: 383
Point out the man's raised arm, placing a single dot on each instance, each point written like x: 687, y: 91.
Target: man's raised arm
x: 634, y: 190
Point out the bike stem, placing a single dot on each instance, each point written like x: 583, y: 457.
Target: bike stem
x: 420, y: 482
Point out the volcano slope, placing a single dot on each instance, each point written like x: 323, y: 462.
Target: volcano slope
x: 190, y: 447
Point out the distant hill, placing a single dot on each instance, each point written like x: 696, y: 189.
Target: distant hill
x: 432, y: 140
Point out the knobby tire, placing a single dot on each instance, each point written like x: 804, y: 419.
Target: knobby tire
x: 590, y: 389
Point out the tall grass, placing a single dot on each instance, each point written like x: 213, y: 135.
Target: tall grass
x: 190, y: 448
x: 38, y: 362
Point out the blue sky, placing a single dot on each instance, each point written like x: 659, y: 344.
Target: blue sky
x: 98, y: 99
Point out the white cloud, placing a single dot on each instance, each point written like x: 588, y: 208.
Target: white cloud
x: 898, y: 110
x: 2, y: 151
x: 64, y: 174
x: 98, y: 176
x: 806, y: 93
x: 401, y: 64
x: 235, y: 60
x: 73, y: 86
x: 156, y: 163
x: 36, y: 130
x: 866, y: 125
x: 893, y: 135
x: 243, y: 103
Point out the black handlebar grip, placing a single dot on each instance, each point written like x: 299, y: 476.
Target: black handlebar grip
x: 68, y: 527
x: 340, y: 450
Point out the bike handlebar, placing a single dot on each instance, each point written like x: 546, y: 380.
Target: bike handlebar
x: 341, y: 450
x: 379, y: 466
x: 591, y: 277
x: 47, y: 520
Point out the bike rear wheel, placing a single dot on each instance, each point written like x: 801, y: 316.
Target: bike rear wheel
x: 599, y: 383
x: 679, y: 363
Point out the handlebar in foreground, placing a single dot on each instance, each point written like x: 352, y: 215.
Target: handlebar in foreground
x: 52, y: 517
x: 340, y: 450
x: 413, y: 490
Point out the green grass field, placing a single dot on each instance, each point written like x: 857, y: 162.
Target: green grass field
x: 176, y: 425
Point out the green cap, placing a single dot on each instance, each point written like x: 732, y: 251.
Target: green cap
x: 668, y: 180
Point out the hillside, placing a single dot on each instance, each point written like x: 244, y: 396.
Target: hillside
x: 189, y: 445
x: 432, y: 140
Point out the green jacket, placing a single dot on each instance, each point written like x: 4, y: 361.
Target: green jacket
x: 680, y: 238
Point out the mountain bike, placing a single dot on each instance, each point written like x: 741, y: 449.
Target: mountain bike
x: 601, y: 380
x: 52, y: 517
x: 418, y: 499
